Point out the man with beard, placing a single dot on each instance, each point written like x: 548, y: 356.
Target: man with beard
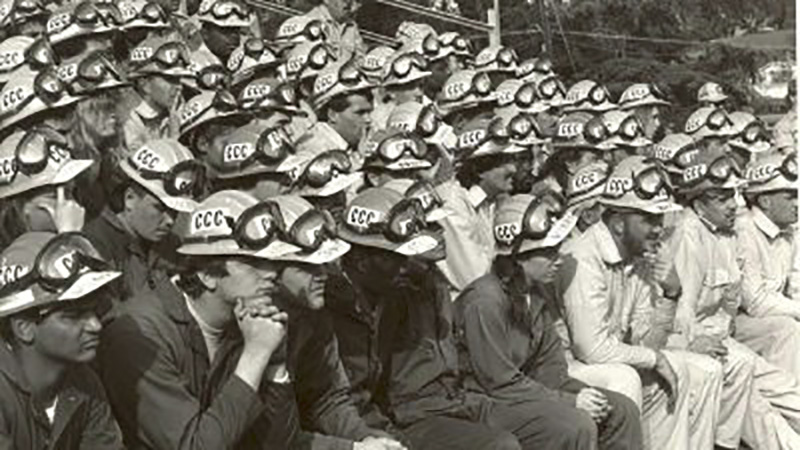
x: 49, y: 397
x: 162, y: 179
x: 704, y: 254
x: 766, y: 238
x: 608, y: 306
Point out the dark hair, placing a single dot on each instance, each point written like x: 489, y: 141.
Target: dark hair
x: 189, y: 282
x: 7, y: 330
x: 340, y: 102
x: 469, y: 172
x: 512, y: 279
x: 12, y: 219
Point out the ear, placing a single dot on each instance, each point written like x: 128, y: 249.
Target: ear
x: 208, y: 281
x: 616, y: 224
x: 24, y: 330
x: 130, y: 199
x: 763, y: 201
x: 373, y: 179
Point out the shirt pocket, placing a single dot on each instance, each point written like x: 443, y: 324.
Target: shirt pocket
x: 718, y: 291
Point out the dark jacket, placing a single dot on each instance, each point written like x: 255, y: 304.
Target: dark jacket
x: 509, y: 361
x: 83, y: 418
x: 401, y: 356
x: 143, y: 269
x: 168, y: 396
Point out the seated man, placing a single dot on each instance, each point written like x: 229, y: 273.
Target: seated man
x: 703, y: 251
x: 49, y: 397
x: 205, y: 366
x: 510, y: 347
x: 609, y: 311
x: 765, y: 235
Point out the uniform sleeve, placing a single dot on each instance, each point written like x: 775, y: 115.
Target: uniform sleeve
x: 691, y: 272
x: 323, y: 390
x: 463, y: 262
x: 152, y: 400
x: 793, y: 290
x: 588, y: 314
x: 550, y: 364
x: 485, y: 331
x: 760, y: 297
x: 133, y: 134
x: 101, y: 432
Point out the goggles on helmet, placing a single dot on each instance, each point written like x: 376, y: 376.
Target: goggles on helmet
x: 753, y: 133
x: 41, y: 54
x: 394, y: 147
x: 327, y: 165
x: 539, y: 219
x: 405, y: 219
x: 95, y: 69
x: 647, y: 185
x: 59, y: 264
x: 542, y: 66
x: 768, y: 171
x: 313, y: 31
x: 311, y: 229
x: 459, y: 43
x: 317, y: 58
x: 518, y: 128
x: 88, y: 15
x: 183, y: 179
x: 349, y: 75
x: 212, y: 78
x: 424, y: 191
x: 402, y: 66
x: 223, y: 9
x: 481, y: 86
x: 550, y: 88
x: 34, y: 150
x: 718, y: 171
x: 273, y: 146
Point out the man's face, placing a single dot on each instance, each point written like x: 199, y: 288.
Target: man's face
x: 162, y: 92
x: 408, y: 92
x: 500, y: 178
x: 650, y: 116
x: 354, y: 121
x: 780, y: 207
x: 440, y: 72
x: 222, y: 41
x: 590, y: 215
x: 718, y: 206
x: 248, y: 278
x: 305, y: 284
x: 70, y: 334
x: 455, y: 63
x: 147, y: 216
x: 642, y: 232
x: 343, y: 10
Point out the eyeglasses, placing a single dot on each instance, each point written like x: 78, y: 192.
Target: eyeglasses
x: 768, y: 171
x: 480, y: 85
x: 650, y: 183
x: 35, y: 149
x: 718, y: 171
x: 403, y: 220
x: 322, y: 169
x: 543, y: 66
x: 183, y: 179
x: 550, y: 88
x: 539, y: 219
x: 394, y: 147
x: 59, y: 264
x: 402, y: 66
x: 87, y: 15
x: 224, y: 9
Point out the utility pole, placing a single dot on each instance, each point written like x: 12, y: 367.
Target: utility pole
x: 494, y: 20
x: 548, y: 35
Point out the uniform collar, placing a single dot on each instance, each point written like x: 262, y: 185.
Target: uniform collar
x: 605, y: 243
x: 764, y: 223
x: 476, y: 195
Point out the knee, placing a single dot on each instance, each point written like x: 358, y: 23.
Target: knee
x: 625, y: 380
x: 785, y: 330
x: 577, y: 432
x: 740, y: 362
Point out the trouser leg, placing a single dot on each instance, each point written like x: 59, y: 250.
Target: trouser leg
x: 774, y: 402
x: 447, y: 433
x: 695, y: 411
x: 614, y: 377
x: 548, y: 423
x: 622, y: 429
x: 775, y: 338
